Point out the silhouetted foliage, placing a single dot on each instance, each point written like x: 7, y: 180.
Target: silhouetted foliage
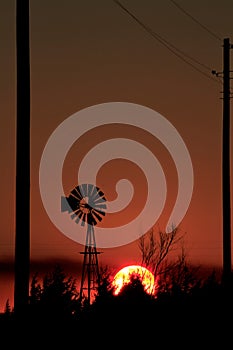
x: 180, y: 289
x: 110, y: 310
x: 7, y: 315
x: 56, y: 298
x: 179, y: 278
x: 105, y: 289
x: 103, y: 303
x: 155, y: 248
x: 134, y: 300
x: 181, y: 298
x: 175, y: 278
x: 35, y: 290
x: 7, y: 310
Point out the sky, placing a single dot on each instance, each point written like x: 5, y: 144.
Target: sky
x: 86, y: 53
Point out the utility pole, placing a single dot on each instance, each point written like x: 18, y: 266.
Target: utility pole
x: 22, y: 221
x: 226, y: 164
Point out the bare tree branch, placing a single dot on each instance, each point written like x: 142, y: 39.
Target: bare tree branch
x: 155, y: 248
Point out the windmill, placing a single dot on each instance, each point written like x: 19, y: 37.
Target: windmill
x: 86, y: 205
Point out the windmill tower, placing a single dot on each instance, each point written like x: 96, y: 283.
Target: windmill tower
x: 86, y: 205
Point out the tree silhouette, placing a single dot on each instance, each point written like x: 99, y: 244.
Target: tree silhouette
x: 178, y: 278
x: 156, y: 247
x: 7, y: 310
x: 56, y: 299
x: 7, y: 316
x: 134, y: 292
x: 35, y: 290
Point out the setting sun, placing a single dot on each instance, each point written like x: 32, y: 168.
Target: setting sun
x: 123, y: 276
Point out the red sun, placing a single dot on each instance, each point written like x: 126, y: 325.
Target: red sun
x: 123, y: 276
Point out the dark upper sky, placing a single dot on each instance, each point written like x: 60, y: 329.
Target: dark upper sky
x: 87, y: 52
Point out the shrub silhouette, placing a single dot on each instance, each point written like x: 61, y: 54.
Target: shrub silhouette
x: 56, y: 299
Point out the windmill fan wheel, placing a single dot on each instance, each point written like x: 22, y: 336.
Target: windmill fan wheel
x: 86, y: 204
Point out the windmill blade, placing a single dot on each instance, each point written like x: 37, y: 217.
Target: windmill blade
x: 94, y: 193
x: 77, y: 220
x: 69, y: 204
x: 96, y: 215
x: 73, y: 202
x: 73, y: 215
x: 73, y: 196
x: 100, y: 206
x: 98, y: 195
x: 99, y: 211
x: 90, y: 188
x: 83, y: 219
x: 77, y: 190
x: 83, y: 189
x: 101, y: 194
x: 78, y: 214
x: 65, y: 205
x: 76, y: 193
x: 99, y: 200
x: 97, y: 204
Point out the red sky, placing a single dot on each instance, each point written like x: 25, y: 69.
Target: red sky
x: 86, y: 53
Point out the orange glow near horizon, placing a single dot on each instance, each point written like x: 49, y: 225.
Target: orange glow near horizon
x: 122, y: 277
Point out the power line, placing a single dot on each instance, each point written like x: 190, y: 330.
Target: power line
x: 184, y: 53
x: 177, y: 52
x: 195, y: 20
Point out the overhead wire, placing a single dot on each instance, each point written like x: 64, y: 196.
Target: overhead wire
x: 209, y: 31
x: 195, y: 20
x: 176, y: 51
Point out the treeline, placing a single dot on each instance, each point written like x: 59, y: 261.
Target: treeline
x: 181, y: 307
x: 56, y: 298
x: 182, y: 300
